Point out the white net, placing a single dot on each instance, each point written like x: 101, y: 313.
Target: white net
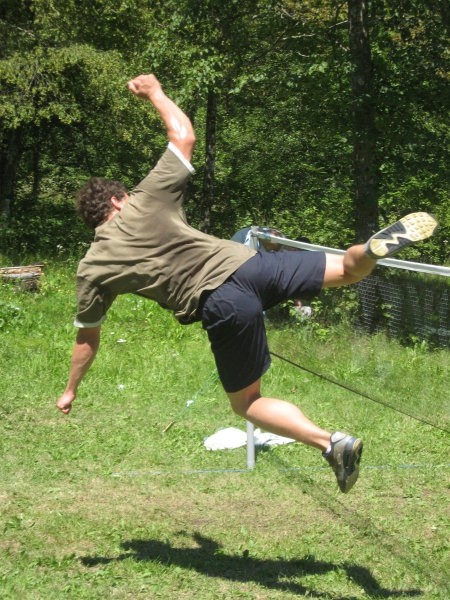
x: 408, y: 307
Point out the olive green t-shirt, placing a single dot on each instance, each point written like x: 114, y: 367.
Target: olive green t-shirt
x: 149, y: 249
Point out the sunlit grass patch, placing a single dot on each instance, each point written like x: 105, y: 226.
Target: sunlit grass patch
x: 109, y: 502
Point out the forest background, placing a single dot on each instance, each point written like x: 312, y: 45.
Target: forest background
x: 321, y: 118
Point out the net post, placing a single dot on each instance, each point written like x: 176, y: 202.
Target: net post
x: 250, y: 445
x: 253, y: 243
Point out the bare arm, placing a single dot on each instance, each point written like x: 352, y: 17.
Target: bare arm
x: 84, y: 352
x: 179, y: 127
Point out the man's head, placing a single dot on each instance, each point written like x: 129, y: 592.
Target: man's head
x: 267, y: 244
x: 98, y: 199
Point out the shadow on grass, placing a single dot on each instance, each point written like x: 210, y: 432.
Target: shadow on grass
x: 277, y: 574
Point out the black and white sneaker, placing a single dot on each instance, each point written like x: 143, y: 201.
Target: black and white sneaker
x: 344, y: 457
x: 408, y: 230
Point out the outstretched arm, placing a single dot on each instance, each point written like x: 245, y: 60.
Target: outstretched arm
x: 84, y: 352
x: 178, y: 125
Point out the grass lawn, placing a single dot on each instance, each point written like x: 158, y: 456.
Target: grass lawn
x: 105, y: 504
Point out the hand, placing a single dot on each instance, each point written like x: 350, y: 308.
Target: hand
x: 144, y: 86
x: 64, y: 403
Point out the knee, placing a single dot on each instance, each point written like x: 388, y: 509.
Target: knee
x: 241, y: 401
x: 239, y: 408
x: 348, y: 268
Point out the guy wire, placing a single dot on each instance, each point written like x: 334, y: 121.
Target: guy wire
x: 358, y: 392
x: 191, y: 401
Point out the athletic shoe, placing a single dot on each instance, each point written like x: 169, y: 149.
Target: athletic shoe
x: 344, y: 458
x: 408, y: 230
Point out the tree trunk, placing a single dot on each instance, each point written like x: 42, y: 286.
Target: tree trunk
x: 9, y: 161
x: 365, y: 167
x: 39, y: 135
x: 210, y: 159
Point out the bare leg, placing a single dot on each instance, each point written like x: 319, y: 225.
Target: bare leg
x: 342, y: 452
x: 356, y: 262
x: 277, y: 416
x: 348, y: 268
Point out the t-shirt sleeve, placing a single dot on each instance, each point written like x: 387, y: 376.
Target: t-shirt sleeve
x: 180, y: 157
x: 166, y: 182
x: 93, y: 304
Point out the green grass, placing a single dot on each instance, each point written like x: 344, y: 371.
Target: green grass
x: 103, y: 504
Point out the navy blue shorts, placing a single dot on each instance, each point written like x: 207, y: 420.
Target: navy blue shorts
x: 233, y: 315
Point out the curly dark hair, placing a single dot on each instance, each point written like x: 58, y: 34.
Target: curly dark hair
x: 94, y: 200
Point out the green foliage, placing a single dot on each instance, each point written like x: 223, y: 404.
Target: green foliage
x: 10, y: 315
x: 281, y: 74
x: 49, y: 228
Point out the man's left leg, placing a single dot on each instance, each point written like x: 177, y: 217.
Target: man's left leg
x: 277, y: 416
x: 342, y: 451
x: 359, y: 261
x: 347, y: 268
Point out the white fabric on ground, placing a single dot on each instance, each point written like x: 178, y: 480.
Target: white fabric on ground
x: 231, y: 437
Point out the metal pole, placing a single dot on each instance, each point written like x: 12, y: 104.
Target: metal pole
x: 250, y: 445
x: 251, y: 460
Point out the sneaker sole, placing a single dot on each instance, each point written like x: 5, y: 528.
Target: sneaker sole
x: 417, y: 227
x: 351, y: 458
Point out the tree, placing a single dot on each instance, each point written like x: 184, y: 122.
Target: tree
x: 365, y: 167
x: 410, y: 52
x: 303, y: 121
x: 209, y: 40
x: 55, y: 83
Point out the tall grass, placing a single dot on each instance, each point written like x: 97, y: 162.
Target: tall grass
x: 104, y: 504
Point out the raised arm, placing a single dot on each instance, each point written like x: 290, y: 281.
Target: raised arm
x: 179, y: 127
x: 84, y: 352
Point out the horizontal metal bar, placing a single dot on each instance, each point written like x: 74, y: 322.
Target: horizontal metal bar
x: 387, y: 262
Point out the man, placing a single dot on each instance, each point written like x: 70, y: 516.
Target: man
x: 144, y: 245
